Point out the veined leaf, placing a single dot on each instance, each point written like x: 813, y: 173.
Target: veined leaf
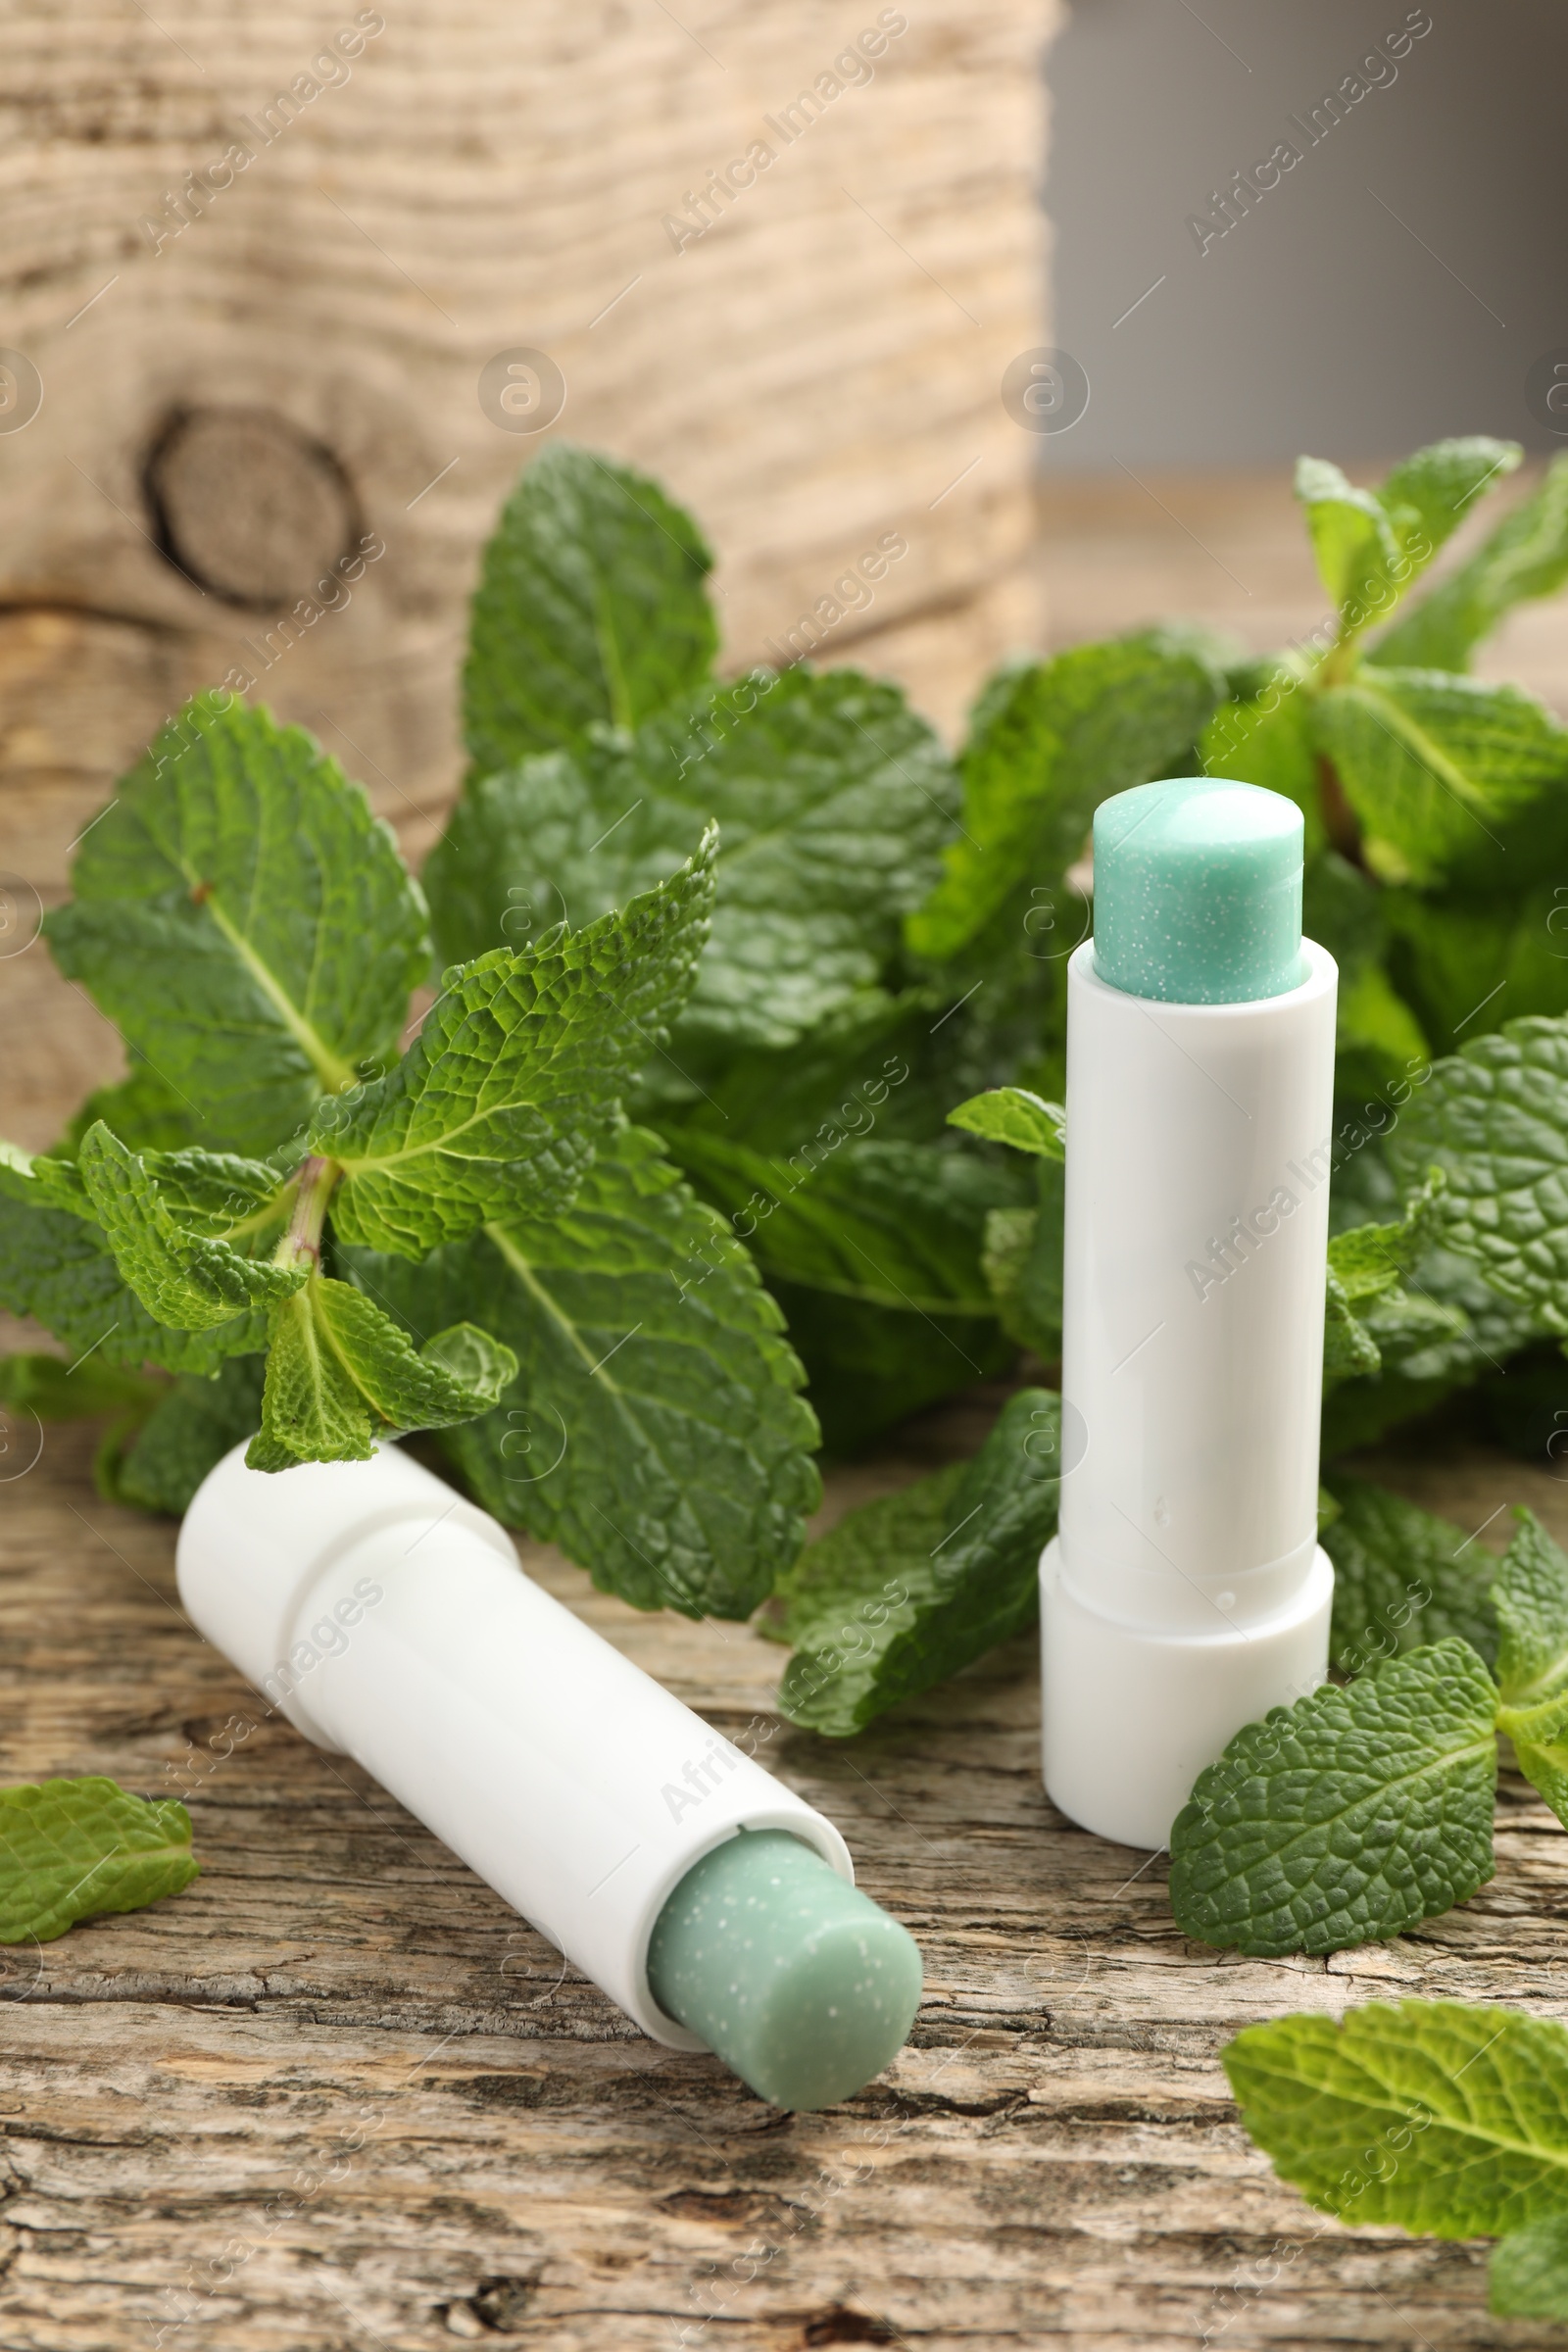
x: 878, y: 1622
x: 832, y: 1591
x: 1440, y: 2117
x: 1494, y: 1118
x: 1010, y: 1114
x: 1369, y: 1259
x: 142, y: 1111
x: 1356, y: 547
x: 834, y: 801
x: 1527, y: 555
x: 591, y: 606
x: 1531, y: 1596
x: 245, y: 920
x: 73, y: 1849
x: 515, y: 1075
x: 1402, y: 1579
x: 654, y: 1428
x: 1351, y: 1815
x: 1528, y: 2276
x: 1430, y: 494
x: 56, y: 1265
x: 174, y: 1219
x: 1433, y: 766
x: 1048, y: 743
x: 340, y: 1374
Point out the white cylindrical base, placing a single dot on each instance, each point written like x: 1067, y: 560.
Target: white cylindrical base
x: 390, y: 1620
x: 1132, y: 1716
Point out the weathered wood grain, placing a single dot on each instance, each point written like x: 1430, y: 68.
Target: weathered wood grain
x: 337, y: 2095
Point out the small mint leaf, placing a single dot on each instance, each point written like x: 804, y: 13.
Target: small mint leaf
x: 1351, y: 1815
x: 74, y: 1850
x: 1369, y: 1259
x: 513, y: 1080
x: 591, y: 607
x: 1010, y: 1114
x: 340, y: 1374
x: 1429, y: 495
x: 1356, y: 547
x: 168, y: 1217
x: 1440, y: 2117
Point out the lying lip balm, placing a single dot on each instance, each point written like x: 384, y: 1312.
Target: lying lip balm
x: 388, y: 1619
x: 1185, y: 1592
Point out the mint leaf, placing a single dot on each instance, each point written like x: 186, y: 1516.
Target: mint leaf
x: 172, y: 1220
x: 869, y: 1366
x: 919, y: 1617
x: 1429, y: 495
x: 74, y: 1850
x: 1351, y: 1815
x: 1354, y: 542
x: 1022, y: 1263
x: 833, y: 799
x: 1348, y: 1348
x: 1433, y: 766
x: 1531, y: 1596
x: 1010, y: 1114
x: 1402, y: 1579
x: 340, y: 1375
x: 1440, y: 2117
x: 159, y: 1465
x: 57, y: 1266
x: 1527, y: 555
x: 845, y: 1581
x: 515, y: 1075
x: 1369, y: 1259
x: 1528, y: 2274
x: 899, y: 1225
x: 1267, y: 740
x: 47, y: 1386
x: 142, y: 1111
x: 1047, y: 743
x: 1494, y: 1118
x: 591, y: 606
x: 245, y: 920
x: 654, y: 1430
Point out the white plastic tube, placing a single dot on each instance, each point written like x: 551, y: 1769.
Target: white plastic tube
x: 390, y: 1620
x: 1186, y: 1593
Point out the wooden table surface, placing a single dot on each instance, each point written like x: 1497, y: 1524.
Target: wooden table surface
x: 337, y: 2095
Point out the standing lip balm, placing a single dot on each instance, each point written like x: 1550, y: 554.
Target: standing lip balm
x: 1185, y: 1592
x: 390, y: 1620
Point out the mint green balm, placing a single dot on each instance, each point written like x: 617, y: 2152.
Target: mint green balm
x: 1197, y: 891
x: 801, y: 1983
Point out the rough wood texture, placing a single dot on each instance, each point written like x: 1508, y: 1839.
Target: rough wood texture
x: 821, y: 365
x: 336, y: 2094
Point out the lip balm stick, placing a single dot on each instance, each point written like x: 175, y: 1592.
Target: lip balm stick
x: 389, y: 1620
x: 1185, y: 1592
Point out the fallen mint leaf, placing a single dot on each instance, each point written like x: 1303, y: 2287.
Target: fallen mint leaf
x: 73, y: 1849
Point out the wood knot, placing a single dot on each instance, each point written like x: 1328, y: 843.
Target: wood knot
x: 247, y: 505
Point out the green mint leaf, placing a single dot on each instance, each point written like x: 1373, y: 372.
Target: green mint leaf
x: 1527, y: 555
x: 172, y: 1220
x: 897, y: 1225
x: 1429, y: 495
x: 1531, y: 1598
x: 654, y: 1430
x: 515, y: 1074
x: 47, y: 1386
x: 1355, y: 545
x: 1528, y: 2274
x: 833, y: 1592
x: 1351, y: 1815
x: 591, y: 607
x: 1495, y: 1117
x: 919, y: 1619
x: 834, y: 801
x: 1010, y: 1114
x: 159, y: 1465
x: 74, y: 1850
x: 57, y: 1266
x: 1022, y: 1263
x: 340, y: 1374
x: 1443, y: 942
x: 1266, y: 739
x: 1436, y: 766
x: 245, y: 919
x: 1444, y: 2118
x: 1047, y: 743
x: 142, y: 1111
x: 869, y: 1366
x: 1370, y: 1258
x: 1402, y: 1579
x: 1348, y: 1348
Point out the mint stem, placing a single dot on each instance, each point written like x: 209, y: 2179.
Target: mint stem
x: 302, y: 1242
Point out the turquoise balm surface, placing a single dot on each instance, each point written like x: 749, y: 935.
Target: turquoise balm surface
x: 1197, y: 891
x: 799, y: 1982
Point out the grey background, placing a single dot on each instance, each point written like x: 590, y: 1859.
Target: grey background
x: 1319, y: 323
